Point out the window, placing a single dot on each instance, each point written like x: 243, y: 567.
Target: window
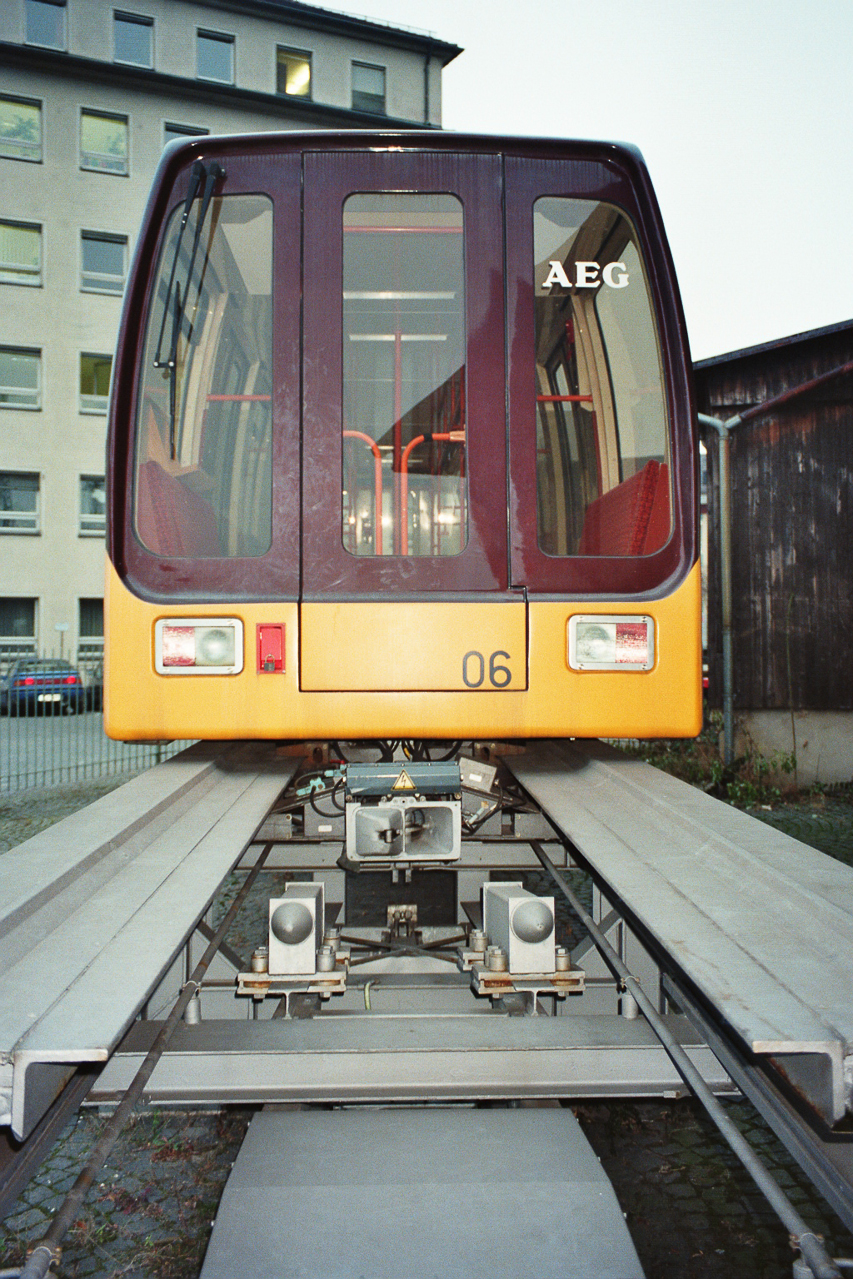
x: 17, y: 627
x: 368, y: 88
x: 20, y: 129
x: 404, y: 487
x: 215, y: 57
x: 172, y: 131
x: 94, y: 382
x: 20, y: 253
x: 103, y: 262
x: 90, y: 632
x: 46, y: 23
x: 20, y: 378
x: 204, y: 441
x: 602, y: 427
x: 92, y: 499
x: 134, y: 39
x: 19, y: 502
x: 293, y: 72
x: 103, y: 142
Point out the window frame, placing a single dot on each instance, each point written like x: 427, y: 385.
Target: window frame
x: 136, y: 20
x: 21, y: 528
x: 103, y: 237
x: 14, y: 646
x: 36, y: 405
x: 8, y: 274
x: 88, y: 159
x: 97, y: 404
x: 98, y: 525
x: 368, y: 66
x: 303, y: 55
x: 182, y: 131
x: 7, y: 143
x: 215, y: 37
x: 35, y: 6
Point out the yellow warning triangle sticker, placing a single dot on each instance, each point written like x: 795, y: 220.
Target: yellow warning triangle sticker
x: 403, y: 782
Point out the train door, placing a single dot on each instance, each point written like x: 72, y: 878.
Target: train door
x: 404, y: 427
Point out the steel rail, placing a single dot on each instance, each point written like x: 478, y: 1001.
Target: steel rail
x: 811, y: 1153
x: 814, y: 1254
x: 47, y: 1250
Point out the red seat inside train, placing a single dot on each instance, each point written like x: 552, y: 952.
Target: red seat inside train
x: 633, y: 518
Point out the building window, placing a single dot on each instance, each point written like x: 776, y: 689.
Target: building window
x: 17, y: 627
x: 92, y: 500
x: 103, y: 142
x: 173, y: 131
x: 20, y: 378
x: 20, y: 253
x: 20, y: 129
x: 46, y: 23
x: 104, y: 262
x: 90, y: 632
x: 293, y: 72
x: 134, y: 39
x: 19, y: 502
x: 368, y: 88
x: 94, y: 382
x: 215, y: 57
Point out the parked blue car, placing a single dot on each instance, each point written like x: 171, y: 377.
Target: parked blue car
x: 41, y: 684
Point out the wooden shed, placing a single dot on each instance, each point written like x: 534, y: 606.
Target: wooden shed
x: 792, y: 537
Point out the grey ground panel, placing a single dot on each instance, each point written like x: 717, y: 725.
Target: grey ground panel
x: 760, y: 923
x: 429, y: 1194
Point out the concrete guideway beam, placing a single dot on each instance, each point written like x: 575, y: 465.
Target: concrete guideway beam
x: 759, y: 923
x: 97, y: 907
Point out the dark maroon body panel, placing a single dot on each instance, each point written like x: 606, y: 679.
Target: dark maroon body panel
x: 308, y: 178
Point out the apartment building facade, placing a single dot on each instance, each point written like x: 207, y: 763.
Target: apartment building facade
x: 90, y: 92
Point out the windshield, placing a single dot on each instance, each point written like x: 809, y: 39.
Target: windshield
x: 603, y: 478
x: 204, y: 426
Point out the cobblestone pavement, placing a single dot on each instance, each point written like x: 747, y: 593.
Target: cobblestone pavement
x: 692, y: 1210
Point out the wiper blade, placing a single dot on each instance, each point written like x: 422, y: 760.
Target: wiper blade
x: 211, y: 174
x: 195, y: 182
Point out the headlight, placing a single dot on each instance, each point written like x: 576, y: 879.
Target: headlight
x: 611, y: 643
x: 198, y: 646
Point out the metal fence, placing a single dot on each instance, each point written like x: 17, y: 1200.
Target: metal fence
x: 50, y: 739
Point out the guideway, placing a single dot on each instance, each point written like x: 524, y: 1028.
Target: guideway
x: 758, y: 924
x: 407, y: 1068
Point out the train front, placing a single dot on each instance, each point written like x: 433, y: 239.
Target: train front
x: 401, y: 446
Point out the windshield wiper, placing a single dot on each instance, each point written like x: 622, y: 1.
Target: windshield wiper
x: 211, y: 173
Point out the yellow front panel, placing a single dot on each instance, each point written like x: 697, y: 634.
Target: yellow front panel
x: 558, y: 702
x: 418, y: 647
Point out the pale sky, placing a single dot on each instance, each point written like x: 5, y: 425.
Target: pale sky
x: 743, y: 110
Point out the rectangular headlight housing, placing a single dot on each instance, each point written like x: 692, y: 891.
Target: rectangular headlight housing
x: 611, y: 642
x: 198, y: 646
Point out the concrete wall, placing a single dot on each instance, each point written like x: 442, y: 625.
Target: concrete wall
x: 823, y: 741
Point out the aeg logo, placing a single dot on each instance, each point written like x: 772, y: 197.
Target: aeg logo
x: 588, y: 275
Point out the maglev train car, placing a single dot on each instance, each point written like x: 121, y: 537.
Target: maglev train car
x: 402, y: 445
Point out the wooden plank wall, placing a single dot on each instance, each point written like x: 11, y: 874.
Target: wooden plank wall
x: 792, y: 528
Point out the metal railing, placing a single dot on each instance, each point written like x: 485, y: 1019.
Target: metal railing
x: 49, y: 737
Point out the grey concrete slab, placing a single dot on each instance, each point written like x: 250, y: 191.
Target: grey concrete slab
x: 430, y: 1194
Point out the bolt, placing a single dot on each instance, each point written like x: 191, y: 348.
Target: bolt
x: 496, y: 959
x: 261, y: 959
x: 562, y: 960
x: 478, y: 941
x: 325, y: 960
